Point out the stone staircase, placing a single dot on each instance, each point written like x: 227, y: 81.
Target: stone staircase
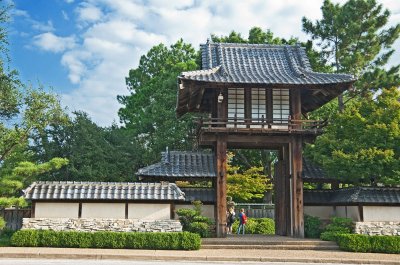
x: 266, y: 242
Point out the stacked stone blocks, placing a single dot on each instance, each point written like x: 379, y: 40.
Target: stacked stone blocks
x: 378, y: 228
x: 101, y: 224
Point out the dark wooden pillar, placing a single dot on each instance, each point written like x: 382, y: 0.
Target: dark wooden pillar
x: 297, y: 168
x: 220, y: 186
x: 297, y: 188
x: 282, y: 193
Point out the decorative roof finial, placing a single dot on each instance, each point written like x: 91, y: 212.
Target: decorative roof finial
x: 166, y: 157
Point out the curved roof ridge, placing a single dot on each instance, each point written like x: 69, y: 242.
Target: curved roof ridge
x: 201, y: 72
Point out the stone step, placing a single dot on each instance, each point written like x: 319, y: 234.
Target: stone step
x: 272, y: 247
x: 216, y: 242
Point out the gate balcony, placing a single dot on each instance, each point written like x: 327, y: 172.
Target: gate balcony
x: 259, y: 126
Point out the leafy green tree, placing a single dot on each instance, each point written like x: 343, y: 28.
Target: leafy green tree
x: 149, y: 111
x: 361, y: 145
x: 94, y: 153
x: 356, y: 39
x: 24, y: 111
x: 248, y: 185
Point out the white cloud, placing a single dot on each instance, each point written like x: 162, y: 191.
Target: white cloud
x: 88, y: 12
x: 115, y: 33
x: 19, y: 13
x: 69, y: 1
x: 42, y: 26
x: 50, y: 42
x: 65, y: 15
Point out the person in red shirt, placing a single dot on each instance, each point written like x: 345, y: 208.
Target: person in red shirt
x: 242, y: 221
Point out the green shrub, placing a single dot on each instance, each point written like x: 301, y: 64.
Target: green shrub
x: 190, y: 241
x: 365, y: 243
x: 2, y: 223
x: 186, y: 217
x: 193, y: 222
x: 25, y: 238
x: 135, y: 240
x: 48, y: 238
x: 109, y: 240
x: 312, y: 226
x: 354, y: 243
x: 265, y: 226
x: 340, y: 224
x: 385, y: 244
x: 330, y: 235
x: 202, y: 219
x: 337, y: 226
x: 203, y: 229
x: 45, y: 238
x: 75, y: 239
x: 257, y: 226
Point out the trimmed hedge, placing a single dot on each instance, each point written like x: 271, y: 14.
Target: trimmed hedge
x: 265, y: 226
x: 130, y: 240
x: 365, y: 243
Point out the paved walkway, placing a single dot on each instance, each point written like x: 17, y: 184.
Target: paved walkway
x: 236, y: 255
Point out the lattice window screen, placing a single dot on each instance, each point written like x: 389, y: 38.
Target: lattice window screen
x: 280, y: 105
x: 236, y: 103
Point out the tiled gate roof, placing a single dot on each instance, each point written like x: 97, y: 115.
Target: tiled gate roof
x: 181, y: 164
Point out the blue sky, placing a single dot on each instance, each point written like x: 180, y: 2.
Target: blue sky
x: 84, y: 49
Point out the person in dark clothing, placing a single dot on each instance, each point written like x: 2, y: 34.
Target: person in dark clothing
x: 230, y: 219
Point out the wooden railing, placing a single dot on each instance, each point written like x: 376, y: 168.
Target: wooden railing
x: 260, y: 124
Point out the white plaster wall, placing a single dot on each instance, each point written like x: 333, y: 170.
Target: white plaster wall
x: 323, y: 212
x: 103, y: 210
x: 206, y: 210
x: 348, y: 212
x: 381, y: 213
x: 56, y: 210
x: 149, y: 211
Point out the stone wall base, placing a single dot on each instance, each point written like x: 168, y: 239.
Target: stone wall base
x: 378, y: 228
x: 101, y: 224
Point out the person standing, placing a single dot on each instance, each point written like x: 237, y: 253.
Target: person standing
x: 230, y: 219
x: 242, y: 222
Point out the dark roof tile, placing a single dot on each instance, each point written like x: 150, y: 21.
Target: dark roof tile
x: 205, y: 195
x: 354, y: 195
x: 65, y: 190
x: 259, y: 64
x: 181, y: 164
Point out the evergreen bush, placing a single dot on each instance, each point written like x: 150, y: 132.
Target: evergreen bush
x: 264, y: 226
x: 337, y: 226
x: 193, y: 222
x: 365, y: 243
x: 133, y: 240
x: 312, y: 226
x: 354, y: 243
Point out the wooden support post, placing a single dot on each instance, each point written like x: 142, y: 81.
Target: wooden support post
x: 278, y: 189
x: 282, y: 193
x: 33, y: 208
x: 297, y: 168
x: 220, y: 188
x: 297, y: 188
